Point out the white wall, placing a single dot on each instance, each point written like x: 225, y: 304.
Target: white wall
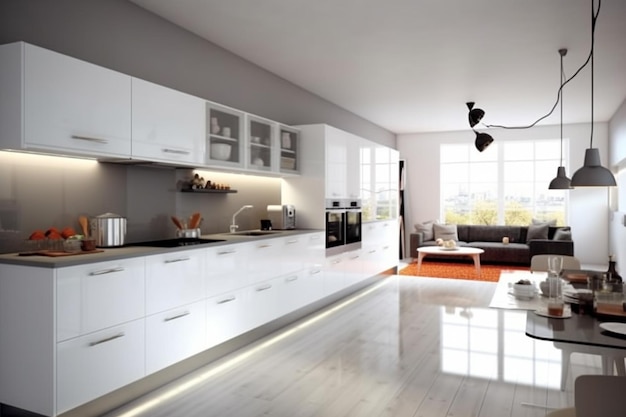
x: 588, y: 207
x: 617, y: 146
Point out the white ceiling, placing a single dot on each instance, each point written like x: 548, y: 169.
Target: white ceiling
x: 411, y: 65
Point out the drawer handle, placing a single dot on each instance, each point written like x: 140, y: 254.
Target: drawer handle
x: 226, y: 252
x: 227, y: 300
x: 372, y: 251
x: 315, y: 271
x: 386, y: 247
x: 178, y: 316
x: 90, y: 139
x: 264, y: 246
x: 264, y: 288
x: 171, y: 261
x: 292, y: 241
x: 336, y: 261
x: 108, y: 339
x: 106, y: 271
x: 176, y: 151
x: 316, y: 237
x: 356, y: 257
x: 291, y: 278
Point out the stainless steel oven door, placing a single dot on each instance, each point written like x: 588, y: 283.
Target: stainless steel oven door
x: 335, y: 231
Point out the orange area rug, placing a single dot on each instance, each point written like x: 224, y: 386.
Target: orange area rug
x: 459, y: 270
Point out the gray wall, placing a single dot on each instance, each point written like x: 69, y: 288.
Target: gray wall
x: 39, y: 192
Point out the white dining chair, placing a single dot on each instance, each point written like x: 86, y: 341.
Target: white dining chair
x: 539, y: 263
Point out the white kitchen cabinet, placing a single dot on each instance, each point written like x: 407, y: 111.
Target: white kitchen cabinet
x: 95, y: 296
x: 289, y: 145
x: 174, y: 279
x: 167, y: 125
x: 262, y: 303
x: 261, y: 144
x: 265, y: 259
x: 54, y: 103
x: 225, y: 136
x: 224, y: 316
x: 95, y: 364
x: 226, y: 268
x: 334, y: 274
x: 174, y: 335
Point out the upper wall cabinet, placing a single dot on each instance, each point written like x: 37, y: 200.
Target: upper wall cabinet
x: 225, y: 134
x: 289, y: 145
x: 54, y: 103
x: 167, y: 125
x: 261, y: 144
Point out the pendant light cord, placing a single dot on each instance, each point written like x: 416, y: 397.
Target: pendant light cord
x: 594, y: 17
x: 562, y: 53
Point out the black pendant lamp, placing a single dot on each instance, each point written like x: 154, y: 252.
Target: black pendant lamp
x: 592, y: 173
x: 561, y: 182
x: 483, y: 140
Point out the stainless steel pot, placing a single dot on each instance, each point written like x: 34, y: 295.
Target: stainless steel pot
x: 193, y: 233
x: 109, y: 230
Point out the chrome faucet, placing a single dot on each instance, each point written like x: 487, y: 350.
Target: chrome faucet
x: 233, y: 226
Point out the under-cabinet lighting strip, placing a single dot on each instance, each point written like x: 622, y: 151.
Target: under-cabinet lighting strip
x: 202, y: 377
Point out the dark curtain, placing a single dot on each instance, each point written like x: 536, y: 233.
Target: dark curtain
x: 401, y: 180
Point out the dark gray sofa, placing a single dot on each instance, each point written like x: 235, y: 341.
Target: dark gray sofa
x: 489, y: 238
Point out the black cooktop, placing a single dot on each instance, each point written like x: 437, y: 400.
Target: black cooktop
x: 174, y: 243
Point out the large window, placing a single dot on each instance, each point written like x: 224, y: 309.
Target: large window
x: 506, y: 184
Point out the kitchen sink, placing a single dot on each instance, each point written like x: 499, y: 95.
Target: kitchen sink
x: 174, y: 243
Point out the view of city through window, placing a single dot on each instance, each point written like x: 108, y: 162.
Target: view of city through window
x: 506, y: 184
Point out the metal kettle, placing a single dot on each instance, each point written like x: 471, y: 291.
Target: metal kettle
x: 109, y: 230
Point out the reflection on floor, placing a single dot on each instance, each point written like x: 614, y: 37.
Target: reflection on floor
x: 407, y: 347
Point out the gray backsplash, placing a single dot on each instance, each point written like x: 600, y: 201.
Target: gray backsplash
x: 39, y: 192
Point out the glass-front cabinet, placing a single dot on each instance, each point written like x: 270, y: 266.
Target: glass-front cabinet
x: 261, y: 148
x: 289, y: 141
x: 225, y: 133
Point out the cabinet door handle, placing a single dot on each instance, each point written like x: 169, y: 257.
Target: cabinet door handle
x: 107, y: 271
x: 372, y: 251
x: 227, y: 300
x: 90, y: 139
x: 264, y: 246
x: 178, y: 316
x: 226, y: 252
x: 291, y: 278
x: 171, y: 261
x: 386, y: 247
x: 355, y: 257
x: 264, y: 288
x: 176, y: 151
x: 107, y: 339
x: 289, y: 242
x: 316, y: 237
x: 336, y: 261
x: 315, y: 271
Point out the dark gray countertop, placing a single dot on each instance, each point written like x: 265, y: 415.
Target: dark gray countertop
x: 129, y: 251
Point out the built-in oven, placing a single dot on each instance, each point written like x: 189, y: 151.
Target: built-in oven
x: 343, y: 225
x: 335, y: 227
x: 353, y: 224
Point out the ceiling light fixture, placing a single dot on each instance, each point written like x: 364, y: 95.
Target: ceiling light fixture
x: 561, y: 182
x: 483, y: 140
x: 592, y: 173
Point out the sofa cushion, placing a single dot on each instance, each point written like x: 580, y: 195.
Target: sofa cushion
x: 563, y: 233
x: 445, y: 232
x: 537, y: 231
x: 550, y: 222
x: 426, y: 229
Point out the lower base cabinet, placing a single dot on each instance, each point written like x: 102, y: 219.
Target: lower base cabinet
x: 224, y: 317
x: 174, y: 335
x: 95, y: 364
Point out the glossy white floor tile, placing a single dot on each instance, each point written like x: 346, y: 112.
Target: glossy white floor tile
x: 418, y: 347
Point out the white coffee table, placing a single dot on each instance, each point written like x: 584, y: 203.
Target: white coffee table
x: 465, y: 251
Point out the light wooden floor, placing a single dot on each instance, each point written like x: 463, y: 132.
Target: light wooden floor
x: 419, y: 347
